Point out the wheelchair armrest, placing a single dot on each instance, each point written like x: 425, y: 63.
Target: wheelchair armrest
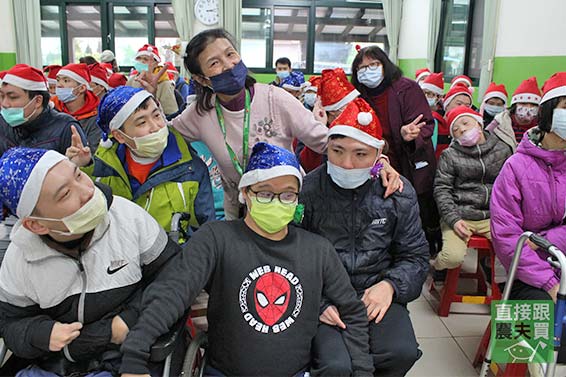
x: 165, y: 344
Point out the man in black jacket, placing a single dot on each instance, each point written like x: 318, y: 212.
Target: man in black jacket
x: 27, y: 119
x: 72, y: 278
x: 380, y: 242
x: 265, y: 281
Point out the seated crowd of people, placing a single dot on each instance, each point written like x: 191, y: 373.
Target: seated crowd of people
x: 314, y: 210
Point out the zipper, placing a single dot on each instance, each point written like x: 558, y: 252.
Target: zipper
x: 486, y: 201
x: 81, y: 306
x: 148, y: 201
x: 352, y: 234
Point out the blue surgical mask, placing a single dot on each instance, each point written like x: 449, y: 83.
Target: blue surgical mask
x: 14, y: 116
x: 559, y: 123
x: 371, y: 77
x: 139, y: 66
x: 431, y: 101
x: 310, y: 98
x: 232, y: 81
x: 65, y: 94
x: 493, y: 110
x: 348, y: 178
x: 283, y: 74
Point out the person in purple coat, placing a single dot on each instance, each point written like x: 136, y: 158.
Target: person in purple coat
x: 408, y: 126
x: 530, y: 195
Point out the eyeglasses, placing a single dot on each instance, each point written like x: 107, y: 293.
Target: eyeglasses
x: 288, y: 197
x: 371, y: 66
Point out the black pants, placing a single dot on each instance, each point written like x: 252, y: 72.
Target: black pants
x: 392, y: 345
x: 430, y: 220
x: 522, y: 291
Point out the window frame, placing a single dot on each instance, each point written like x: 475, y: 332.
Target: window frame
x: 438, y: 59
x: 311, y: 25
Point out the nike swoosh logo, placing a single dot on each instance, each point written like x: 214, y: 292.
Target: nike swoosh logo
x: 110, y: 272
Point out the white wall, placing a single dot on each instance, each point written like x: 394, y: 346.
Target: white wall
x: 531, y: 28
x: 8, y: 40
x: 414, y: 29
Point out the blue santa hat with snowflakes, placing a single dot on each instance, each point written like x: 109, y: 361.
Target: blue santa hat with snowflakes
x: 22, y: 172
x: 115, y: 107
x: 295, y: 81
x: 270, y: 161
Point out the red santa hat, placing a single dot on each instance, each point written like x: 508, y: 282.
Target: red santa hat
x: 108, y: 67
x: 25, y: 77
x: 335, y: 89
x: 454, y: 91
x: 116, y: 80
x: 359, y: 121
x: 495, y: 91
x: 52, y: 71
x: 527, y: 92
x: 434, y: 82
x: 554, y: 87
x: 459, y: 112
x: 461, y: 79
x: 149, y: 50
x: 98, y: 75
x: 420, y: 73
x: 78, y: 72
x: 312, y: 84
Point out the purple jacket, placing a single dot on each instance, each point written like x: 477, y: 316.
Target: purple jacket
x: 530, y: 194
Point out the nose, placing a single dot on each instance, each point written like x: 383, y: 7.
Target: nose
x: 87, y: 192
x: 4, y: 103
x: 347, y: 162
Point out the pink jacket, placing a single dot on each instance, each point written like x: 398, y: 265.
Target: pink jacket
x: 276, y: 117
x: 530, y: 194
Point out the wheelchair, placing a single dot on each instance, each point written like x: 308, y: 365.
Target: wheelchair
x: 165, y: 348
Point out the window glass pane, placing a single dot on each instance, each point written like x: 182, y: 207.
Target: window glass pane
x: 166, y: 35
x: 50, y: 35
x: 83, y: 32
x: 474, y: 67
x: 339, y: 30
x: 131, y: 31
x: 256, y: 32
x: 290, y: 35
x: 454, y: 49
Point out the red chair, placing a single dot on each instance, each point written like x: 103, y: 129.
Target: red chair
x: 511, y: 370
x: 448, y: 295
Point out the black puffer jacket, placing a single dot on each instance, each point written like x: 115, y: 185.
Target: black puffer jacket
x: 465, y: 177
x: 50, y: 130
x: 376, y: 239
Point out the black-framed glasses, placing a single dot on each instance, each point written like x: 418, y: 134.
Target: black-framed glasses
x: 287, y: 197
x: 371, y: 66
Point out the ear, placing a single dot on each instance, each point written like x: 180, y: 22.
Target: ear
x: 118, y: 136
x: 82, y: 89
x: 202, y: 80
x: 34, y: 226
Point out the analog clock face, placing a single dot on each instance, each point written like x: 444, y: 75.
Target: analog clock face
x: 207, y: 11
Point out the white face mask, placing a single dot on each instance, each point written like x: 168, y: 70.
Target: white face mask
x: 310, y: 98
x: 348, y: 178
x: 85, y: 219
x: 559, y: 123
x: 526, y: 113
x: 493, y: 110
x: 431, y: 101
x: 371, y: 77
x: 152, y: 145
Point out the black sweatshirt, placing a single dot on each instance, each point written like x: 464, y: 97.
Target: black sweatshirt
x: 264, y: 301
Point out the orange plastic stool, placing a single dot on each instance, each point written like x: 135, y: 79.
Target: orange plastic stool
x: 449, y: 295
x: 511, y: 370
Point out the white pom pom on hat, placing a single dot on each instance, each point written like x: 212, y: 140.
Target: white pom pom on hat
x: 364, y: 119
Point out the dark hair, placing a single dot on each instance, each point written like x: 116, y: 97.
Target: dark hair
x: 88, y: 60
x: 391, y: 72
x: 145, y: 104
x: 284, y: 61
x: 545, y: 112
x: 513, y: 108
x: 45, y: 96
x: 338, y: 137
x: 195, y: 47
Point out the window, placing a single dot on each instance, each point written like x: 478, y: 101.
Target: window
x: 339, y: 30
x: 83, y: 31
x: 50, y: 35
x: 459, y: 47
x: 313, y: 34
x: 92, y: 26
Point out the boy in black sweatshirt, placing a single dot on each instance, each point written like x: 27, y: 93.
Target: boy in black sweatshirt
x: 265, y: 280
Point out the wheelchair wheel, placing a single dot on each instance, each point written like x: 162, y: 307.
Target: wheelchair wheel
x: 195, y: 357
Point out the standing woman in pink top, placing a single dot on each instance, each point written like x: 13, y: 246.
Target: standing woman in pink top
x: 232, y: 113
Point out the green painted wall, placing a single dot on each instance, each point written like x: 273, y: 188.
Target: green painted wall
x: 409, y: 66
x: 7, y: 60
x: 512, y: 70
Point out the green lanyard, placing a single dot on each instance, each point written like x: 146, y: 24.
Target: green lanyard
x: 246, y: 133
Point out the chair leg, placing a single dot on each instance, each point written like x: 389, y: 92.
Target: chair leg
x: 449, y: 291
